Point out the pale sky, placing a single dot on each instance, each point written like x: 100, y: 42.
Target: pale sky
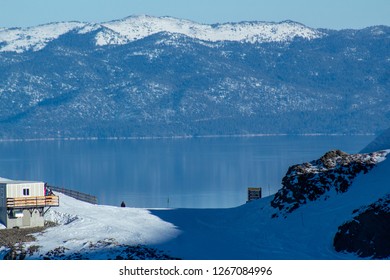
x: 334, y: 14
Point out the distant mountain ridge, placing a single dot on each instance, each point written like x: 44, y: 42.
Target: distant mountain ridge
x: 148, y: 76
x: 138, y: 27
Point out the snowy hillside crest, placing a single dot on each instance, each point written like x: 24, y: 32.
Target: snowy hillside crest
x: 134, y: 28
x: 36, y: 38
x: 334, y: 171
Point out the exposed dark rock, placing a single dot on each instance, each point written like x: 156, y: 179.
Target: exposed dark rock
x: 311, y: 181
x: 105, y: 250
x: 368, y: 234
x: 14, y: 239
x: 142, y: 253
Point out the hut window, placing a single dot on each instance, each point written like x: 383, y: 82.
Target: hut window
x: 26, y: 192
x: 17, y: 214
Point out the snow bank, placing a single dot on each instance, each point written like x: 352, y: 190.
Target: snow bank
x: 82, y: 224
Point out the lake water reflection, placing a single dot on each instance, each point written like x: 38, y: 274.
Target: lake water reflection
x: 152, y: 173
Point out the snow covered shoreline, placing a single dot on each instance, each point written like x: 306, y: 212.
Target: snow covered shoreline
x: 178, y: 137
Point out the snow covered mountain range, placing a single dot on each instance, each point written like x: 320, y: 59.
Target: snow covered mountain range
x: 148, y: 76
x: 138, y: 27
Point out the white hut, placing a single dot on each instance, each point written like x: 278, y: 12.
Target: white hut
x: 22, y: 203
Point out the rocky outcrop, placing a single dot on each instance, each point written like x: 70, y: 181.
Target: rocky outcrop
x: 311, y: 181
x: 368, y: 233
x: 107, y: 249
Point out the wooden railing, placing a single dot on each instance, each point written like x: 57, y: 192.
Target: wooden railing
x: 75, y: 194
x: 33, y: 201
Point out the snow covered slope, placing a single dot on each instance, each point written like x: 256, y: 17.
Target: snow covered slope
x: 86, y: 227
x: 134, y: 28
x: 245, y: 232
x: 34, y: 38
x: 138, y: 27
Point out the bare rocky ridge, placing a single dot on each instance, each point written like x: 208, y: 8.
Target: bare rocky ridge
x: 367, y: 233
x: 311, y: 181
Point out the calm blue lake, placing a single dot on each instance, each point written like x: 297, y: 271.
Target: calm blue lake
x: 182, y: 173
